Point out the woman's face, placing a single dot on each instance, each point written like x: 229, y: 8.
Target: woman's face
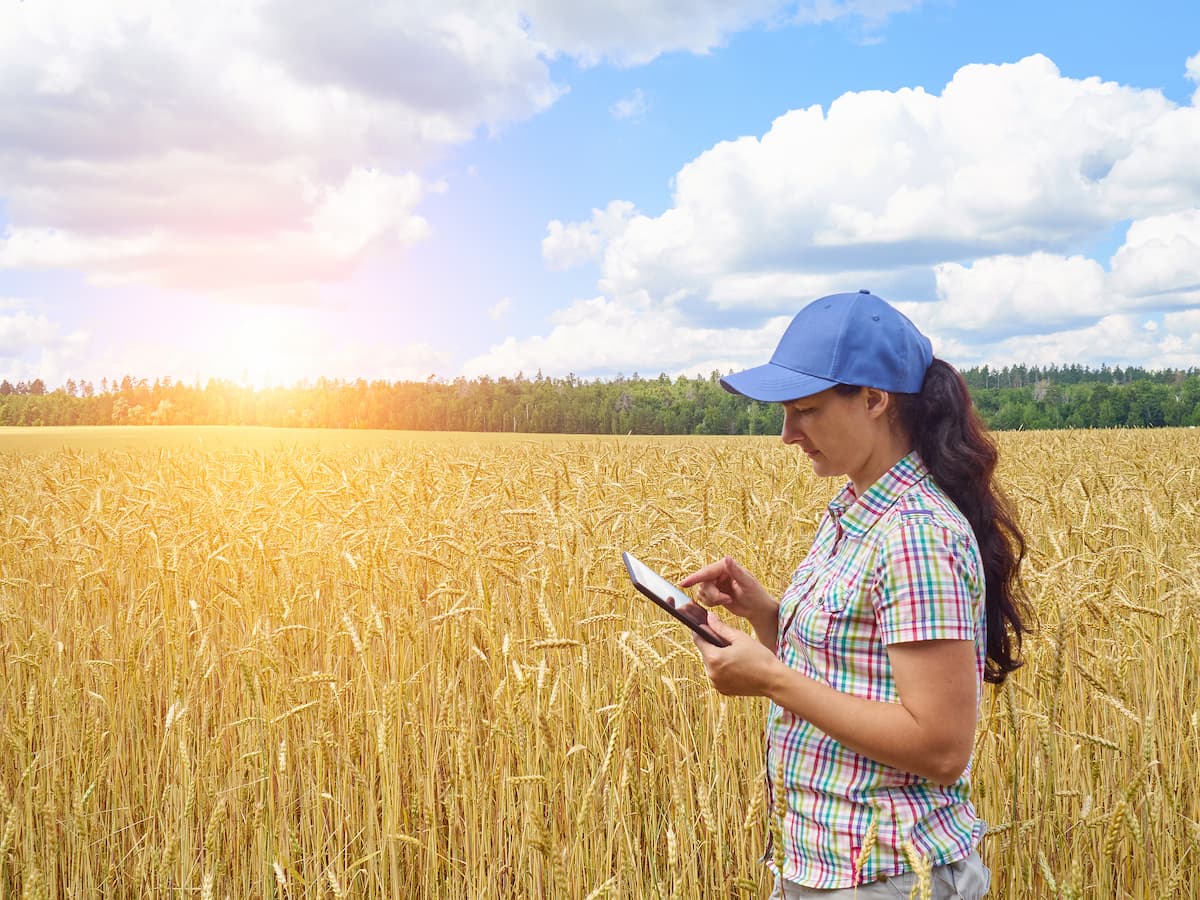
x: 838, y: 432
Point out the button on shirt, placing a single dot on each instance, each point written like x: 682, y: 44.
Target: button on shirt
x: 899, y: 563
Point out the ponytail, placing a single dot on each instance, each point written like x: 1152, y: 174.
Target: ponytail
x: 961, y: 457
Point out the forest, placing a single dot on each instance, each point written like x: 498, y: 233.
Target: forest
x: 1013, y: 397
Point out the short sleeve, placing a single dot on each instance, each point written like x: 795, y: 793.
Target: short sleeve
x: 929, y: 582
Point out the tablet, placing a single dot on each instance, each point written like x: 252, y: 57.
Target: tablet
x: 671, y: 598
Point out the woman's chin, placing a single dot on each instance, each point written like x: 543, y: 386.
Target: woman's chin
x: 822, y: 466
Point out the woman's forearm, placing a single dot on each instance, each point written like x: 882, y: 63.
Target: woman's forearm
x: 931, y: 735
x: 766, y: 628
x: 884, y: 732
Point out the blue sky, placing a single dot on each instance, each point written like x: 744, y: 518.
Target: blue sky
x: 467, y: 188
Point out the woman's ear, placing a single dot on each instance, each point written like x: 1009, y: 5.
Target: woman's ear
x: 878, y: 402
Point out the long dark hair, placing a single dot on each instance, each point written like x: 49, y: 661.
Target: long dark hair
x: 955, y: 446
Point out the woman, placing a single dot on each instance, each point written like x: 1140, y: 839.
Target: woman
x: 908, y: 601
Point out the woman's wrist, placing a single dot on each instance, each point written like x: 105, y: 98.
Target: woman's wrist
x: 774, y: 687
x: 766, y: 627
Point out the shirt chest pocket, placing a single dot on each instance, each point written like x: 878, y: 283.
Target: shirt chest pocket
x: 822, y: 616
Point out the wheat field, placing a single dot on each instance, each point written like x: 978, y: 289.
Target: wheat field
x: 416, y: 669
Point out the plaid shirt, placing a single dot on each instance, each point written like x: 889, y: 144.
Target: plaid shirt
x: 898, y: 564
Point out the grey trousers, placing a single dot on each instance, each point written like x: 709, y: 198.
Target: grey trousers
x: 966, y: 879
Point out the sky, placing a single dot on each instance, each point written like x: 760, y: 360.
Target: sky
x: 272, y: 192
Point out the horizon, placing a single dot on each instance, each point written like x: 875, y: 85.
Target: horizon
x: 106, y: 385
x: 461, y: 190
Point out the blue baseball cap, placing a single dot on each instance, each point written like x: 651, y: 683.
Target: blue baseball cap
x: 855, y: 339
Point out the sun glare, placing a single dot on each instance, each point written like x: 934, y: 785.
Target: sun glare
x: 263, y: 349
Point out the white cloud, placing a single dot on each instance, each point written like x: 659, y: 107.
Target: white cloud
x: 500, y: 309
x: 218, y: 146
x: 968, y: 205
x: 369, y: 206
x: 789, y: 290
x: 449, y: 65
x: 1120, y: 339
x: 1192, y: 70
x: 1115, y: 339
x: 270, y: 255
x: 1156, y: 269
x: 1014, y: 295
x: 872, y: 12
x: 267, y: 79
x: 1179, y: 343
x: 627, y: 335
x: 1008, y: 159
x: 1161, y: 257
x: 34, y: 346
x: 576, y: 243
x: 200, y: 146
x: 64, y: 358
x: 1056, y: 300
x: 633, y: 32
x: 44, y: 248
x: 414, y: 362
x: 22, y: 332
x: 632, y: 107
x: 1043, y: 309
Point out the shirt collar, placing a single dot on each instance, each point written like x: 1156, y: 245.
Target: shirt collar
x: 857, y: 514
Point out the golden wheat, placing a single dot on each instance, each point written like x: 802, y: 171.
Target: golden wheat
x: 418, y: 669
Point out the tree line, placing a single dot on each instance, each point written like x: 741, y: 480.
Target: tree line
x: 1015, y: 397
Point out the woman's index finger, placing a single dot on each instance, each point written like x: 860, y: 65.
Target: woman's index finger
x: 711, y: 572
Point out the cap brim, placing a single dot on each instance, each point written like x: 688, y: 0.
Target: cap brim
x: 774, y: 384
